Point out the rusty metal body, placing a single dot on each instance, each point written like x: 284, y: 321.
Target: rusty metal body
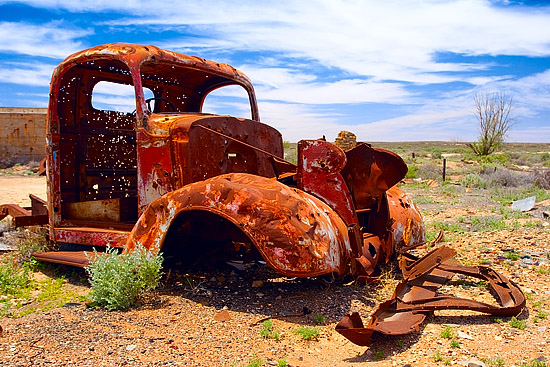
x: 171, y: 176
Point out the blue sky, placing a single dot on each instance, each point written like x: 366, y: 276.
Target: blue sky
x: 392, y: 70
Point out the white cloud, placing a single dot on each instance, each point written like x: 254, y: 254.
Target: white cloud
x: 54, y: 39
x: 390, y: 40
x: 35, y: 74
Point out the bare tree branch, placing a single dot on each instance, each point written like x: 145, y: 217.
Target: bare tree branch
x: 494, y: 114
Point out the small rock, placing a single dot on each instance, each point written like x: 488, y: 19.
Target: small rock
x: 131, y: 347
x: 260, y: 294
x: 541, y: 328
x: 463, y: 335
x: 498, y: 337
x: 257, y: 283
x: 223, y: 315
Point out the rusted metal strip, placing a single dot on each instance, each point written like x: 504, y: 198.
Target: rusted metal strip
x: 415, y: 297
x: 79, y: 259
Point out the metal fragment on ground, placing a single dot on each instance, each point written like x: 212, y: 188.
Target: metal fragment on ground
x: 416, y: 297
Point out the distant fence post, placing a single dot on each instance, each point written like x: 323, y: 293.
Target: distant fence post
x: 444, y: 168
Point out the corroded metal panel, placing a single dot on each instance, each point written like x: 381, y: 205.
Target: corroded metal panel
x: 320, y: 164
x: 296, y: 233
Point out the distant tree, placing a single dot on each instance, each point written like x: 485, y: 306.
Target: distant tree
x: 494, y: 115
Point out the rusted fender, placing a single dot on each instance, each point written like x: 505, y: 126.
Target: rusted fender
x: 296, y: 233
x: 416, y: 297
x: 408, y: 229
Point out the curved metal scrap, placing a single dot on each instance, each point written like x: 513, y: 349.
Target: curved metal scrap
x: 416, y: 297
x: 296, y: 233
x: 408, y: 229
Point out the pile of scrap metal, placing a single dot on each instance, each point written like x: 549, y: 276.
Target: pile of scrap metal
x: 168, y: 176
x: 416, y: 297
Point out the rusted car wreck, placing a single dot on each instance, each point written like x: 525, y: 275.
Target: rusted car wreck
x: 170, y: 177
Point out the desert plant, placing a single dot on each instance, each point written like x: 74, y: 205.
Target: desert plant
x: 14, y: 280
x: 255, y: 362
x: 515, y: 323
x: 494, y: 115
x: 535, y: 363
x: 473, y: 180
x: 319, y: 319
x: 429, y: 170
x: 307, y: 332
x: 378, y: 355
x: 412, y: 171
x: 448, y: 333
x: 118, y: 280
x: 267, y: 330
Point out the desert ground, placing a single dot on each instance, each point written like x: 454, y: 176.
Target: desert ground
x: 215, y: 316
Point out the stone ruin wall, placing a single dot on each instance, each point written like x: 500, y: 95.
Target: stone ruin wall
x: 22, y: 135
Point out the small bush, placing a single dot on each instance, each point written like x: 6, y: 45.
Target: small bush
x: 448, y: 333
x: 429, y: 171
x: 267, y: 330
x: 379, y: 355
x: 118, y: 280
x: 515, y: 323
x: 412, y: 172
x: 535, y: 363
x: 307, y: 332
x: 542, y: 179
x: 505, y: 177
x: 319, y: 319
x: 14, y: 279
x: 473, y: 180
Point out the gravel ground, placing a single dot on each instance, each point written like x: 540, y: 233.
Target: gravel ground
x: 210, y: 317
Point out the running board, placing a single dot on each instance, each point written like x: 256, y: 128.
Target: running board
x: 73, y: 258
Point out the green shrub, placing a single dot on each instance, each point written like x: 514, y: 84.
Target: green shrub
x: 307, y: 332
x: 515, y: 323
x: 267, y: 330
x: 118, y: 280
x: 14, y: 280
x: 535, y: 363
x: 473, y: 180
x: 379, y: 355
x: 412, y: 172
x: 319, y: 319
x: 448, y: 333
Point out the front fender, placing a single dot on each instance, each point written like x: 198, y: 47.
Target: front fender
x: 296, y: 233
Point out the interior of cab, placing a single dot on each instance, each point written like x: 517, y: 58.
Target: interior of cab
x: 96, y: 113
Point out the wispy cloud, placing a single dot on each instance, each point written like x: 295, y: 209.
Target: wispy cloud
x: 308, y: 59
x: 35, y: 74
x: 53, y: 40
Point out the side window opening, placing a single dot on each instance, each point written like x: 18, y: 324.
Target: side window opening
x: 229, y: 100
x: 109, y: 96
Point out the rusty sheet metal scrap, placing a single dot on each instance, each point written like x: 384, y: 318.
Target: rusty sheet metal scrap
x: 416, y: 297
x: 36, y: 214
